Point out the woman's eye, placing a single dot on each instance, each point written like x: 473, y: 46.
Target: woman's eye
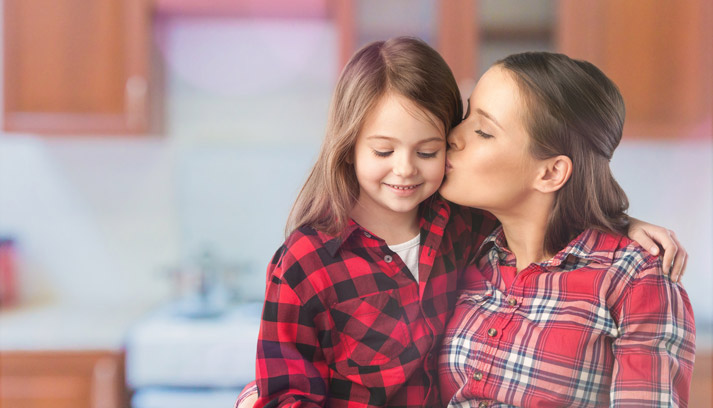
x: 425, y: 155
x: 382, y: 154
x: 483, y: 134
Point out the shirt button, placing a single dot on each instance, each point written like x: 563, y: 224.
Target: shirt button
x: 478, y: 376
x: 492, y: 332
x: 388, y: 258
x: 512, y: 302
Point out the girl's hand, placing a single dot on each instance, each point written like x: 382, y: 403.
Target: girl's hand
x: 654, y: 238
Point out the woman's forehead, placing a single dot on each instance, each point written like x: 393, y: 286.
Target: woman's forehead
x: 496, y: 94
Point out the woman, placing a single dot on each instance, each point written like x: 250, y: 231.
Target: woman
x: 560, y: 308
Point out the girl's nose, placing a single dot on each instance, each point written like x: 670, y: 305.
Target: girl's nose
x: 404, y: 166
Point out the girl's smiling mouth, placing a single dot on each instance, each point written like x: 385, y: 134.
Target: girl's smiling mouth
x: 403, y: 187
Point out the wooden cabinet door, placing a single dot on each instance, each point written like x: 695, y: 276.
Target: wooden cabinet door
x: 62, y: 379
x: 76, y: 66
x: 660, y: 54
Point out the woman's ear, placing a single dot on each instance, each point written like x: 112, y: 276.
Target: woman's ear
x: 554, y: 173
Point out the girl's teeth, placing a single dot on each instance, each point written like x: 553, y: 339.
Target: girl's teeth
x: 404, y: 188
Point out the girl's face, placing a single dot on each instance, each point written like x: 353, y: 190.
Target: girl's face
x: 489, y: 165
x: 399, y: 157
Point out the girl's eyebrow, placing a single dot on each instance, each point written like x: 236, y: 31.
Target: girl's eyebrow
x: 467, y: 110
x: 396, y: 139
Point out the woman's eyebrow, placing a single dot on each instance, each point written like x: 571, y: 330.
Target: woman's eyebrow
x: 489, y: 116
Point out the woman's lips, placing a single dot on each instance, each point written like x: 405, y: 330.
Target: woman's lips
x: 448, y: 166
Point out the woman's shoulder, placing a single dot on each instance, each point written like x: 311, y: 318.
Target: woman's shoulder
x: 631, y: 267
x: 625, y: 260
x: 631, y: 256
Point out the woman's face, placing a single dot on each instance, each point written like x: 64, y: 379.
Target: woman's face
x: 489, y: 165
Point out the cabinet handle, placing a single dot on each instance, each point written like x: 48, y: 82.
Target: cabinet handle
x: 136, y: 90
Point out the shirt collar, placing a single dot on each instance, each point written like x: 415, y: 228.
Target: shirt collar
x: 333, y: 242
x: 591, y: 245
x: 434, y: 213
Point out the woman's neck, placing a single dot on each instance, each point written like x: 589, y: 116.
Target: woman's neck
x: 525, y: 234
x: 392, y: 229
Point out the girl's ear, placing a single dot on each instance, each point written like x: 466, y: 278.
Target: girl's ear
x: 553, y: 174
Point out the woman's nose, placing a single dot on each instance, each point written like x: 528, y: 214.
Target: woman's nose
x: 455, y: 142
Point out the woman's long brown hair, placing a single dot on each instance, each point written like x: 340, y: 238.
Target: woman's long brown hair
x: 573, y: 109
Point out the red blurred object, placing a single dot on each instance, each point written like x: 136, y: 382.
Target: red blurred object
x: 8, y: 287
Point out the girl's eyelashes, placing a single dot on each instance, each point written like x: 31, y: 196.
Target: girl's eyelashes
x: 424, y: 155
x: 483, y: 134
x: 382, y: 154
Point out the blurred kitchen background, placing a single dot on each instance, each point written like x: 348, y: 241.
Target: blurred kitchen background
x: 151, y: 150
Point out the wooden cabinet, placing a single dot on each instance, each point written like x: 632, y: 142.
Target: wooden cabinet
x: 76, y: 66
x: 62, y: 379
x: 660, y: 54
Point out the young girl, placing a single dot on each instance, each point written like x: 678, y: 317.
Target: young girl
x: 359, y: 294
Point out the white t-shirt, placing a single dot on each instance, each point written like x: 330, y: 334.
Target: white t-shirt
x: 409, y: 251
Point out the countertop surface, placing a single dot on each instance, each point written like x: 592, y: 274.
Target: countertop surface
x: 63, y: 326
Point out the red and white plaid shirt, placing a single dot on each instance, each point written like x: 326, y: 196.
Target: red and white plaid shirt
x: 597, y: 325
x: 346, y: 325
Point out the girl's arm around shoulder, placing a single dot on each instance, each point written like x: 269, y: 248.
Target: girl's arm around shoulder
x: 656, y: 239
x: 655, y: 349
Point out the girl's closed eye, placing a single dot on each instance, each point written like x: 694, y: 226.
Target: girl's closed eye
x: 427, y: 155
x: 384, y: 153
x: 483, y: 134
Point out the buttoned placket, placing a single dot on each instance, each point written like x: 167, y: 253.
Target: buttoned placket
x: 495, y: 327
x: 396, y: 264
x: 427, y: 255
x: 491, y: 332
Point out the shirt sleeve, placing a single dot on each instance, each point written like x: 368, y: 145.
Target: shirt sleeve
x: 484, y: 223
x: 291, y: 370
x: 472, y: 226
x: 654, y: 353
x: 248, y: 391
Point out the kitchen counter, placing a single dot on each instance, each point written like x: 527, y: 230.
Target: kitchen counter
x: 164, y: 349
x: 65, y: 326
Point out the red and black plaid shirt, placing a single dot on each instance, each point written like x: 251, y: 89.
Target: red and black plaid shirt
x: 346, y: 325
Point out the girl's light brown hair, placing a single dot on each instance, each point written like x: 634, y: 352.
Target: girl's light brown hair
x: 573, y: 109
x: 404, y: 65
